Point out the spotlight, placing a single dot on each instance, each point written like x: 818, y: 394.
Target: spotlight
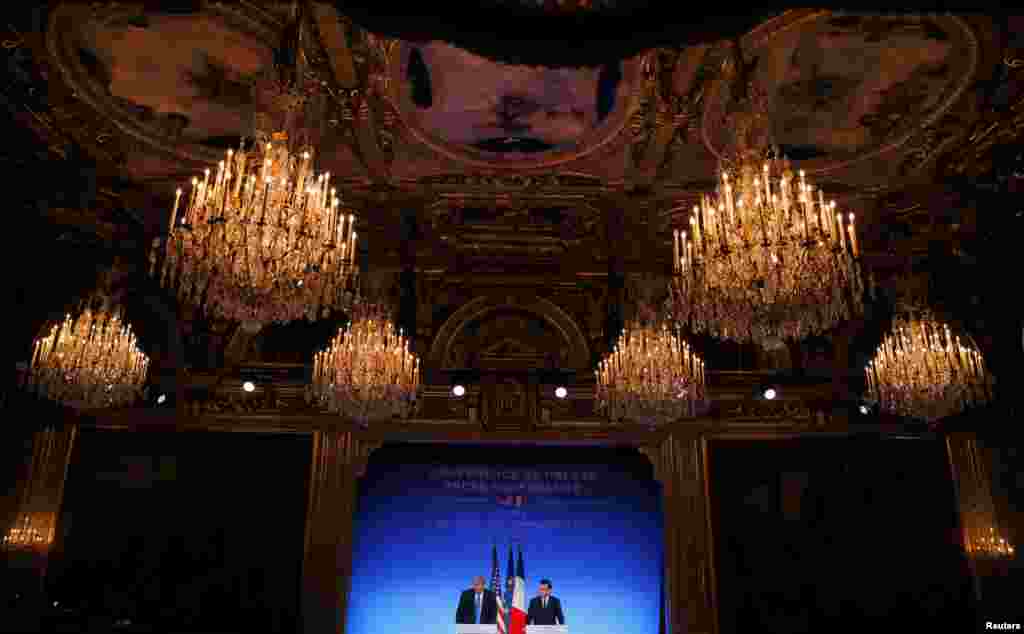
x: 248, y: 386
x: 161, y: 399
x: 769, y: 393
x: 561, y: 392
x: 864, y: 409
x: 459, y: 390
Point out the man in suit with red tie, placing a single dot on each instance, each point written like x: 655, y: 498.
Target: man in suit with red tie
x: 544, y: 608
x: 477, y: 605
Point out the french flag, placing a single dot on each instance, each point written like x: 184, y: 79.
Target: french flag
x: 517, y: 613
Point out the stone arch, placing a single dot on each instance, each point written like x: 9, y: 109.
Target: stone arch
x: 562, y: 322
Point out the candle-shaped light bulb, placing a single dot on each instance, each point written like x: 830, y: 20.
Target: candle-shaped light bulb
x: 842, y: 232
x: 853, y: 238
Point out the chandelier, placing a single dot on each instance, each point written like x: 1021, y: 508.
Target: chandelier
x: 265, y: 238
x: 367, y: 372
x: 766, y: 257
x: 923, y: 371
x: 651, y: 376
x: 30, y: 531
x: 982, y: 539
x: 41, y: 491
x: 92, y: 361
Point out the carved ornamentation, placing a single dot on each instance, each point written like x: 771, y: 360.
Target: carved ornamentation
x: 649, y: 112
x: 551, y: 313
x: 766, y: 410
x: 517, y: 182
x: 510, y: 226
x: 687, y: 108
x: 929, y: 143
x: 996, y: 128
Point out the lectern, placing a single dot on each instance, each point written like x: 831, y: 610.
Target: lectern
x: 547, y: 629
x: 476, y: 628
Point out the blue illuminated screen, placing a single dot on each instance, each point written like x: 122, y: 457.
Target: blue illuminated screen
x: 424, y: 530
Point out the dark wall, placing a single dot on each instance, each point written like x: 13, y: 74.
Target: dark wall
x: 185, y: 531
x: 818, y: 534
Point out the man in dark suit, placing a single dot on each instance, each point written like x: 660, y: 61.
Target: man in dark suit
x: 477, y: 605
x: 544, y: 608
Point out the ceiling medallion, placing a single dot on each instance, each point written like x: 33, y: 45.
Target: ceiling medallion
x: 367, y: 371
x: 90, y: 361
x: 765, y: 257
x: 652, y: 375
x: 922, y: 371
x: 266, y: 238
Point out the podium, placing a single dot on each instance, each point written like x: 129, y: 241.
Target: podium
x: 476, y: 628
x: 547, y: 629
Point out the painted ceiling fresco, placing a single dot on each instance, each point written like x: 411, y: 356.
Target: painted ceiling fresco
x: 470, y: 101
x: 194, y: 67
x: 470, y: 107
x: 844, y: 88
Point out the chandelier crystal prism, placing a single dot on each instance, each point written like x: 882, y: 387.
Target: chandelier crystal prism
x: 652, y: 375
x: 921, y: 370
x: 765, y: 257
x: 265, y: 237
x: 90, y: 361
x: 367, y: 372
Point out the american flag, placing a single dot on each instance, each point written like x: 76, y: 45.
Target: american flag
x: 496, y: 589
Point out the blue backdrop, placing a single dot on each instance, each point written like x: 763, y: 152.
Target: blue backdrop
x: 424, y: 530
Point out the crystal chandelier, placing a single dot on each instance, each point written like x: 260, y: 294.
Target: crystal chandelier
x: 265, y: 241
x: 367, y: 372
x: 266, y: 238
x: 651, y: 376
x: 92, y: 361
x: 982, y: 539
x: 41, y: 491
x: 30, y: 531
x: 766, y: 257
x: 923, y: 371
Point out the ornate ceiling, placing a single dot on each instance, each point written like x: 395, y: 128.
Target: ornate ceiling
x: 483, y: 165
x: 865, y: 104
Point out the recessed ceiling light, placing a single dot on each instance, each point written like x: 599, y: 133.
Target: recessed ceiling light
x: 459, y: 390
x: 561, y: 392
x: 770, y: 393
x: 248, y: 386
